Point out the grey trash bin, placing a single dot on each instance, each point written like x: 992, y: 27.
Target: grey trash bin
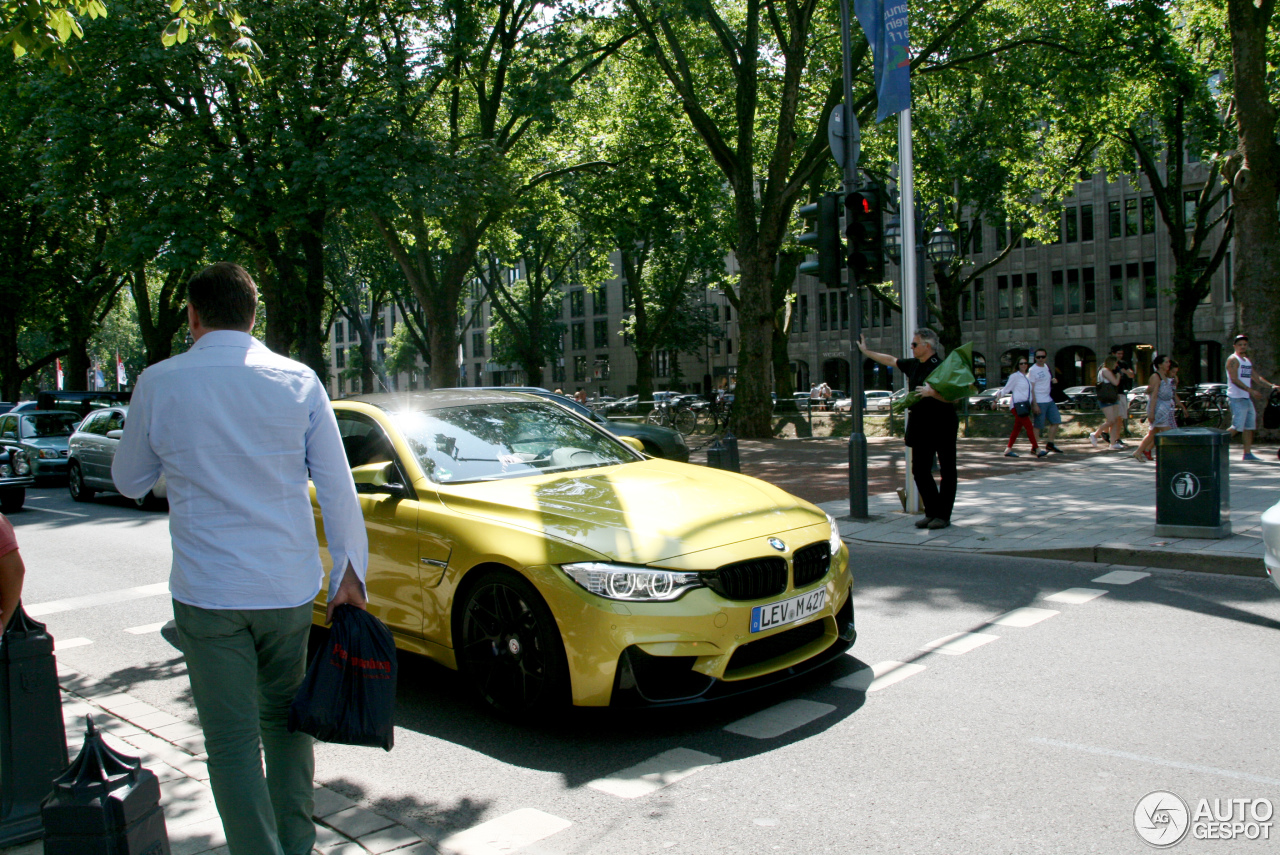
x: 1193, y: 488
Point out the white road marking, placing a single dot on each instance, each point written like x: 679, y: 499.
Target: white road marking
x: 105, y: 598
x: 505, y: 834
x: 779, y: 719
x: 1075, y: 596
x: 1156, y: 761
x: 147, y: 628
x: 653, y: 774
x: 878, y: 676
x: 68, y: 643
x: 62, y: 513
x: 959, y: 642
x: 1121, y: 577
x: 1026, y: 616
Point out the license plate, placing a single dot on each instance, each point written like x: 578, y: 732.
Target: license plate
x: 788, y: 611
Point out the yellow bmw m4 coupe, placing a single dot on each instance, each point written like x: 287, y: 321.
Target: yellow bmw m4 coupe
x: 552, y: 562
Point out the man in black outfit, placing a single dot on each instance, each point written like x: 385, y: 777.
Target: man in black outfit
x: 931, y: 428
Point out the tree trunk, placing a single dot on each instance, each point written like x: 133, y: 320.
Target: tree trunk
x: 160, y: 321
x: 1257, y: 227
x: 1185, y: 352
x: 753, y: 403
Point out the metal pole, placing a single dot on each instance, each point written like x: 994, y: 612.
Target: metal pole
x: 907, y: 224
x: 858, y: 505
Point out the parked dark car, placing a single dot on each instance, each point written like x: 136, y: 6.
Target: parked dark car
x: 15, y: 478
x: 91, y: 451
x: 1081, y: 398
x: 82, y: 403
x: 42, y: 435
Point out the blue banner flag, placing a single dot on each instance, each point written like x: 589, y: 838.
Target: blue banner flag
x: 885, y: 23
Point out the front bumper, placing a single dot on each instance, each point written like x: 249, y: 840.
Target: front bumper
x: 46, y: 467
x: 696, y: 648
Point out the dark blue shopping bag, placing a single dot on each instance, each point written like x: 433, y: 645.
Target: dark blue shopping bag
x: 349, y: 693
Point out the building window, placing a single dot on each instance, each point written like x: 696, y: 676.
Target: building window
x: 1002, y: 296
x: 728, y: 313
x: 840, y: 297
x: 1133, y: 286
x: 626, y: 297
x: 1130, y: 217
x: 578, y: 333
x: 1018, y: 297
x: 579, y: 368
x: 1117, y: 286
x: 1086, y: 222
x: 1148, y: 215
x: 382, y: 351
x: 1072, y: 225
x: 728, y: 345
x: 802, y: 306
x: 601, y: 333
x: 413, y: 380
x: 1002, y: 235
x: 715, y: 346
x: 602, y: 366
x: 661, y: 363
x: 557, y: 371
x: 340, y: 357
x: 1149, y: 293
x: 600, y: 299
x: 976, y: 232
x: 1059, y: 293
x: 1090, y: 290
x: 1189, y: 200
x: 338, y: 331
x: 381, y: 331
x: 1073, y: 291
x: 477, y: 345
x: 1033, y: 295
x: 1113, y: 219
x: 577, y: 304
x: 1226, y: 279
x: 979, y: 302
x: 966, y: 306
x: 822, y: 312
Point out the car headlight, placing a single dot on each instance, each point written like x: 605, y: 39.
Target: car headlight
x: 835, y: 541
x: 5, y: 471
x: 20, y: 464
x: 49, y: 454
x: 634, y: 584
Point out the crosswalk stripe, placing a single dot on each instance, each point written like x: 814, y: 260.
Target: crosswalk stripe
x: 653, y: 774
x: 102, y: 599
x: 878, y: 676
x: 147, y: 628
x: 959, y: 642
x: 1023, y: 617
x: 780, y: 718
x: 68, y: 643
x: 1121, y: 577
x: 1076, y: 596
x: 504, y: 834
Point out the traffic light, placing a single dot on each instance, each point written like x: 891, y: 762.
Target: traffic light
x: 864, y: 227
x: 824, y: 240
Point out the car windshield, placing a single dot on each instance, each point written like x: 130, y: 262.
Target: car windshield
x: 50, y: 424
x: 487, y: 442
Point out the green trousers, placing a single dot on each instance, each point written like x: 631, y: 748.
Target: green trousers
x: 245, y: 667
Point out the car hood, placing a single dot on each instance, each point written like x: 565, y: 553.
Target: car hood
x: 56, y: 442
x: 638, y: 513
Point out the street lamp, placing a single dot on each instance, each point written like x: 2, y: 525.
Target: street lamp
x: 941, y: 247
x: 893, y: 241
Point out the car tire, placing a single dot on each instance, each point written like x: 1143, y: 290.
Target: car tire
x: 148, y: 502
x: 509, y: 646
x: 80, y: 491
x: 12, y: 501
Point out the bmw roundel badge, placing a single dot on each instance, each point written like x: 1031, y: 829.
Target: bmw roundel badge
x: 777, y: 544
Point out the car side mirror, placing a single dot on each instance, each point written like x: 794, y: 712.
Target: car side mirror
x: 10, y: 435
x: 114, y: 434
x: 376, y: 478
x: 632, y: 442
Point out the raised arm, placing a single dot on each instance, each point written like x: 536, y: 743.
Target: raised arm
x: 882, y: 358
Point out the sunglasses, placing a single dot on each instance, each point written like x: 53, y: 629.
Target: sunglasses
x: 1024, y: 362
x: 915, y: 344
x: 1041, y: 356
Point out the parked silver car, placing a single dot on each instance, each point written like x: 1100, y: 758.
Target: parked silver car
x: 43, y: 435
x: 92, y: 450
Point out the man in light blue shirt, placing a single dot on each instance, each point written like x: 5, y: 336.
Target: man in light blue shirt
x: 237, y: 431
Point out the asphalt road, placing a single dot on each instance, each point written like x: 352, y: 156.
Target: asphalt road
x: 1040, y: 738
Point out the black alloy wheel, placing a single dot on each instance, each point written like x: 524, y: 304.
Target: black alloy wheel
x: 80, y: 492
x: 510, y: 649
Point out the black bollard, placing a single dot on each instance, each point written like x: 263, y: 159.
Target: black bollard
x: 105, y: 804
x: 717, y: 455
x: 33, y: 742
x: 731, y: 445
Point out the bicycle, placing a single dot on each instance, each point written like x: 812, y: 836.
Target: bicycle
x: 714, y: 415
x: 681, y: 417
x: 1205, y: 409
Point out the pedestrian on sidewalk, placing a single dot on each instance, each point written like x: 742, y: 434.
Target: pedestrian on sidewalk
x: 1240, y: 393
x: 1162, y: 401
x: 1124, y: 383
x: 1021, y: 398
x: 12, y: 572
x: 931, y: 431
x: 1108, y: 377
x: 237, y: 431
x: 1044, y: 409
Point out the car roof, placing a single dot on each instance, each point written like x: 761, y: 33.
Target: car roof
x: 26, y: 413
x: 439, y: 399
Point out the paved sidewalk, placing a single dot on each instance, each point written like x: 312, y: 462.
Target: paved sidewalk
x: 174, y: 750
x: 1085, y: 507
